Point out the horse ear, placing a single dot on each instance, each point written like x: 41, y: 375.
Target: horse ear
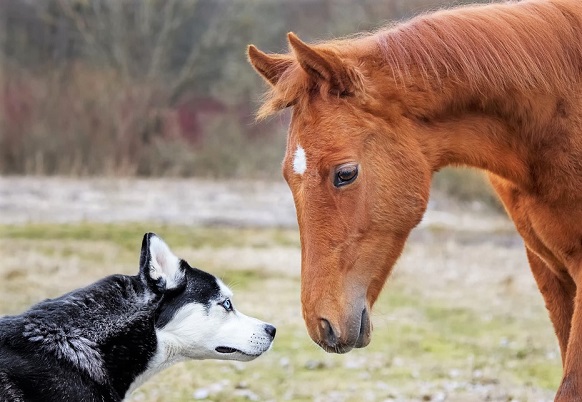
x: 159, y: 268
x: 321, y: 65
x: 270, y: 66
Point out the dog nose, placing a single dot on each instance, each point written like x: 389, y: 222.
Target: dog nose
x: 271, y: 330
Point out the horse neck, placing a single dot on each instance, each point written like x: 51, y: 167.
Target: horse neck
x: 478, y: 139
x: 493, y: 131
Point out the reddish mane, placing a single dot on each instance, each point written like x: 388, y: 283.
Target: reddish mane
x: 522, y: 46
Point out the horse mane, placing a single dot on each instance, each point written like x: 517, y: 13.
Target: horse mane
x: 520, y: 46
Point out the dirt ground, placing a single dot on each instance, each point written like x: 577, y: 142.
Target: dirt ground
x: 464, y: 256
x: 187, y: 201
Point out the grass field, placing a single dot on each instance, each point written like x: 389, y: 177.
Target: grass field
x: 460, y: 319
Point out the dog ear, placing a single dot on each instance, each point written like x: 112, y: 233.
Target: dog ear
x: 159, y: 267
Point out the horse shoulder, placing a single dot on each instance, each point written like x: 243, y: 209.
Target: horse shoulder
x: 552, y: 230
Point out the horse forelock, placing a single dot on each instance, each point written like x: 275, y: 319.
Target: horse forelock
x: 293, y: 83
x: 295, y: 86
x: 530, y: 45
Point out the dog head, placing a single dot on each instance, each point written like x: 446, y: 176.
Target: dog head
x: 196, y: 318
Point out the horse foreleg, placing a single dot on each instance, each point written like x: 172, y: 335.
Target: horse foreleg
x: 571, y: 387
x: 558, y: 296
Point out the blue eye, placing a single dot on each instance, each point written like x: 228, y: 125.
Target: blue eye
x: 227, y: 305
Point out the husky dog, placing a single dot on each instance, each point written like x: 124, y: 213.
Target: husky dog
x: 100, y: 342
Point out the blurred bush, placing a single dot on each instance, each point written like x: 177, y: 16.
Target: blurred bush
x: 156, y: 87
x: 467, y: 185
x: 129, y: 88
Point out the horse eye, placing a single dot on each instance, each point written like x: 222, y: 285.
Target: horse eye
x: 345, y: 174
x: 227, y: 305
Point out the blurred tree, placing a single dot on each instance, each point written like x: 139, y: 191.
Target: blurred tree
x: 123, y: 86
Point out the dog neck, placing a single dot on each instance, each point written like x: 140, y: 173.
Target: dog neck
x: 96, y: 344
x: 166, y: 355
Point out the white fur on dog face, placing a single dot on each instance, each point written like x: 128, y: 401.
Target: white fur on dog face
x: 164, y: 264
x: 196, y: 330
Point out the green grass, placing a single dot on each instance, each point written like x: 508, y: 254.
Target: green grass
x: 126, y: 235
x: 421, y: 344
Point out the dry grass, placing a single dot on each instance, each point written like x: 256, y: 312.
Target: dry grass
x: 460, y: 320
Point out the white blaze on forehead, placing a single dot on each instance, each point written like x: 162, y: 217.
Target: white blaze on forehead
x: 299, y: 161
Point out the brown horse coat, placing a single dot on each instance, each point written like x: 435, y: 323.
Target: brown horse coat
x: 496, y: 87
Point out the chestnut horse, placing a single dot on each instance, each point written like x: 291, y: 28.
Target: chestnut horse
x: 496, y: 87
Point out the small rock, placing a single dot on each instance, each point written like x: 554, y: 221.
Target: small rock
x: 247, y: 394
x: 201, y: 393
x: 284, y: 362
x: 314, y: 365
x: 242, y: 385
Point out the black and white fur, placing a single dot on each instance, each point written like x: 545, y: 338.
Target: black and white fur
x: 100, y: 342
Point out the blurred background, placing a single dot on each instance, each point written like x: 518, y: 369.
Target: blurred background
x: 154, y: 87
x: 124, y: 116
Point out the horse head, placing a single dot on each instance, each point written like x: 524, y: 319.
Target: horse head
x: 359, y: 182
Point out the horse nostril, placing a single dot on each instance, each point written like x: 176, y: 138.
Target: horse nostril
x: 271, y: 330
x: 365, y: 320
x: 365, y: 329
x: 329, y: 335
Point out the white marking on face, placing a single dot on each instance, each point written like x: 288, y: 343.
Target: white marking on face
x: 299, y: 161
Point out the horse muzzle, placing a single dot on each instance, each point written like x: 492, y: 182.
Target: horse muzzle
x: 334, y: 339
